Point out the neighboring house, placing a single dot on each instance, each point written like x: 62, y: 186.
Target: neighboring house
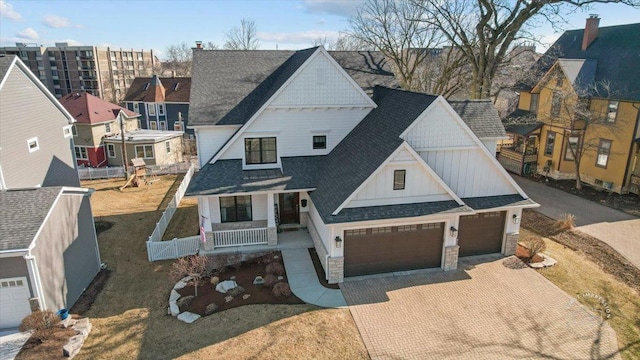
x: 163, y: 103
x: 588, y: 98
x: 394, y: 182
x: 48, y: 248
x: 155, y: 147
x: 96, y: 119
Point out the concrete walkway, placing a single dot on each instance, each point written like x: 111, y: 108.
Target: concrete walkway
x: 304, y: 282
x: 619, y: 230
x: 11, y: 342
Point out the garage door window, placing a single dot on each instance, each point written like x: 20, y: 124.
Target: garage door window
x: 407, y: 228
x: 11, y: 283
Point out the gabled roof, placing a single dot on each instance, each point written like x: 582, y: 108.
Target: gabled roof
x: 22, y: 213
x: 5, y: 64
x: 523, y: 129
x: 175, y: 89
x: 616, y: 50
x: 579, y: 72
x: 230, y: 85
x: 481, y: 117
x: 366, y: 147
x: 89, y: 109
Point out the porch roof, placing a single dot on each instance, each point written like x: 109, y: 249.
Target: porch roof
x: 228, y: 177
x: 523, y: 129
x: 491, y: 202
x: 395, y: 211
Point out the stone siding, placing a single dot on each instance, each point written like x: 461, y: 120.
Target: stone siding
x: 451, y: 258
x: 510, y: 244
x: 304, y: 219
x: 272, y: 234
x: 336, y: 270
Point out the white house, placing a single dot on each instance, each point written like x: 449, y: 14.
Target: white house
x: 391, y: 182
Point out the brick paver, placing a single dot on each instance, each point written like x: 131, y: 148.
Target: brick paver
x: 489, y: 311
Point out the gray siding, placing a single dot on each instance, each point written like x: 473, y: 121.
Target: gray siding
x: 14, y: 267
x: 66, y: 251
x: 25, y: 113
x: 172, y: 111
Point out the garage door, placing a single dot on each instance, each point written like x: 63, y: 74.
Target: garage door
x: 392, y: 248
x: 481, y: 233
x: 14, y: 297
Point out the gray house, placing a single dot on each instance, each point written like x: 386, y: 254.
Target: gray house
x: 48, y: 248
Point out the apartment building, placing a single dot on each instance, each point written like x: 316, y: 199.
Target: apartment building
x: 105, y: 72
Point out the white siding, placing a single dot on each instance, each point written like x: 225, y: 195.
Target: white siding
x: 210, y: 139
x: 321, y: 82
x: 469, y: 173
x: 491, y: 145
x: 259, y: 206
x: 295, y: 129
x: 323, y: 230
x: 214, y: 209
x: 438, y: 129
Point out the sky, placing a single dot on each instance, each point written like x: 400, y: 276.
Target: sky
x: 151, y: 24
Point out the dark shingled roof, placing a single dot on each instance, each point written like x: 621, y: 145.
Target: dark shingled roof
x: 5, y: 62
x: 366, y: 147
x: 481, y: 117
x: 523, y: 129
x: 395, y: 211
x: 616, y: 50
x: 227, y: 177
x: 171, y: 94
x: 229, y: 85
x: 22, y: 213
x: 491, y: 202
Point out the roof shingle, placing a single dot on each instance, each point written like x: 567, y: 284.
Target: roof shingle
x: 89, y: 109
x: 176, y: 89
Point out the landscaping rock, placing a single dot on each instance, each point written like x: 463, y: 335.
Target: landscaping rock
x: 174, y: 295
x: 73, y: 346
x: 179, y: 285
x: 276, y: 256
x: 210, y: 309
x: 186, y: 279
x: 215, y: 280
x: 68, y: 322
x: 174, y: 310
x: 83, y: 327
x: 225, y: 286
x: 245, y: 296
x: 236, y: 291
x: 185, y: 301
x: 188, y: 317
x: 280, y: 278
x: 233, y: 278
x: 228, y: 298
x: 259, y: 280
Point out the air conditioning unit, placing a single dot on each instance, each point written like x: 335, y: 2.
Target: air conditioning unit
x: 607, y: 185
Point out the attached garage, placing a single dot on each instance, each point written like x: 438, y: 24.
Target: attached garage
x: 481, y: 233
x: 14, y: 297
x: 392, y: 248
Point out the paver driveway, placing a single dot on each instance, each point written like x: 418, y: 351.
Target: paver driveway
x: 490, y: 311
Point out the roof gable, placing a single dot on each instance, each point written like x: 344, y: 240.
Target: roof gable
x: 89, y: 109
x: 175, y: 90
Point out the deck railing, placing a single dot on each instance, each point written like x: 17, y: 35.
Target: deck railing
x: 240, y: 237
x: 514, y: 161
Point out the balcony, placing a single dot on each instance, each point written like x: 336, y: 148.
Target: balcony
x: 517, y: 160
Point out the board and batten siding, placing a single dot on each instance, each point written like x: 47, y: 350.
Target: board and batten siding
x: 294, y: 130
x: 26, y: 113
x: 211, y: 138
x: 420, y: 186
x: 66, y: 251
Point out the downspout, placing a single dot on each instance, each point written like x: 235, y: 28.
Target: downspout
x: 36, y: 281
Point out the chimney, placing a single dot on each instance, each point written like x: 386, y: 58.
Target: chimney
x: 590, y: 31
x: 199, y: 45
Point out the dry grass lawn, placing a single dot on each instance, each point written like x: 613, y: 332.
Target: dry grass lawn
x: 130, y: 315
x: 185, y: 220
x: 578, y: 276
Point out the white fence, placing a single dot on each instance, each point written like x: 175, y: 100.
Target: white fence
x: 240, y: 237
x: 158, y: 249
x: 118, y: 171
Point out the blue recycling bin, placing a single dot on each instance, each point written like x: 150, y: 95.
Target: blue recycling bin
x: 63, y: 313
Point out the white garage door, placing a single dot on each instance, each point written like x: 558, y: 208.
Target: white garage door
x: 14, y: 301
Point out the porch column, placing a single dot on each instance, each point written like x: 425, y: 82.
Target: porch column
x: 271, y: 220
x: 206, y: 212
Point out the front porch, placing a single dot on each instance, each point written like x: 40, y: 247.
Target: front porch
x: 522, y: 156
x: 226, y: 241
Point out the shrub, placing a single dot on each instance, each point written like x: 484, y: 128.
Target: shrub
x: 40, y: 324
x: 566, y: 222
x: 535, y: 245
x: 275, y: 268
x: 281, y: 290
x: 270, y: 280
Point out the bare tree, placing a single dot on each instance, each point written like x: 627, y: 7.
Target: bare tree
x: 194, y: 266
x: 179, y: 59
x: 344, y: 42
x: 243, y: 37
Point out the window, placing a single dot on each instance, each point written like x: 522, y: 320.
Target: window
x: 398, y: 179
x: 67, y: 131
x: 603, y: 153
x: 177, y: 126
x: 612, y: 111
x: 139, y: 123
x: 556, y: 101
x: 235, y: 208
x: 111, y: 150
x: 81, y: 152
x: 136, y: 108
x: 74, y: 130
x: 33, y: 144
x: 144, y: 151
x: 551, y: 140
x: 160, y: 109
x: 107, y: 128
x: 533, y: 107
x: 54, y: 72
x: 260, y: 150
x: 163, y: 125
x: 572, y: 144
x: 320, y: 142
x: 559, y: 81
x: 167, y: 146
x: 151, y: 109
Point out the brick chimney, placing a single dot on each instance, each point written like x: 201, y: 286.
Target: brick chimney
x: 590, y: 31
x: 199, y: 43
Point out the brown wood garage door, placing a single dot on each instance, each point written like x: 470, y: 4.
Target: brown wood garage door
x: 393, y: 248
x: 481, y: 233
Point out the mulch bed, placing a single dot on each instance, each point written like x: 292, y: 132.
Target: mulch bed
x: 244, y: 276
x: 91, y: 293
x: 320, y: 270
x: 595, y: 250
x: 524, y: 254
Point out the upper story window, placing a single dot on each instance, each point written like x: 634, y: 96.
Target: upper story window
x: 151, y: 109
x: 320, y: 142
x: 559, y: 81
x: 551, y: 140
x: 74, y: 130
x: 81, y: 152
x: 160, y: 109
x: 556, y: 102
x: 399, y: 177
x: 260, y: 150
x: 144, y: 151
x: 533, y: 106
x: 111, y: 150
x: 67, y: 131
x: 136, y: 108
x: 167, y: 146
x: 604, y: 149
x: 107, y: 128
x: 612, y: 110
x: 33, y: 144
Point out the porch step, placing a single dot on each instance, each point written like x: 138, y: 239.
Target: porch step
x: 290, y: 227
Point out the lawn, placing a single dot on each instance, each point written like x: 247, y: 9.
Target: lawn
x: 579, y: 277
x: 130, y: 315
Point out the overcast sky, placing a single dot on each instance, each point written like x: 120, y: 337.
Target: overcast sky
x: 148, y: 24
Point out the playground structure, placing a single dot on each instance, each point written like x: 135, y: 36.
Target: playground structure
x: 140, y: 175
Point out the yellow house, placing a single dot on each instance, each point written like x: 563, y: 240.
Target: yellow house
x: 587, y: 98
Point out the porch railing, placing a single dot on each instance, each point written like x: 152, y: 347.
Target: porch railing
x: 240, y: 237
x: 514, y: 160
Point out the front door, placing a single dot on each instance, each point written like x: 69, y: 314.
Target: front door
x: 289, y: 209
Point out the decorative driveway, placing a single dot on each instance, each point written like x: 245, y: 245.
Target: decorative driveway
x: 489, y: 309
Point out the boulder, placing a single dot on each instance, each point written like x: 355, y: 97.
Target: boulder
x: 185, y: 301
x: 233, y: 278
x: 236, y: 291
x: 73, y: 346
x: 174, y: 310
x: 210, y: 309
x: 174, y: 295
x: 259, y: 280
x: 215, y: 280
x: 179, y: 285
x: 225, y: 286
x: 188, y: 317
x: 68, y: 322
x: 245, y: 296
x: 228, y: 298
x: 280, y: 278
x: 83, y: 327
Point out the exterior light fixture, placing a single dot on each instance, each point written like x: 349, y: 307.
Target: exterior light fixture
x: 453, y: 231
x: 304, y: 202
x: 516, y: 219
x: 338, y: 242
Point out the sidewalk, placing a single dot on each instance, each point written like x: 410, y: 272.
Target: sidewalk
x: 11, y: 342
x: 304, y: 282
